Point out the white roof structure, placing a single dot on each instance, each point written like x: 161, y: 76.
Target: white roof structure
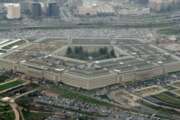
x: 13, y: 10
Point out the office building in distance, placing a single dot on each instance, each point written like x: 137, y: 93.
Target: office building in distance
x: 13, y: 10
x: 36, y: 9
x: 53, y: 9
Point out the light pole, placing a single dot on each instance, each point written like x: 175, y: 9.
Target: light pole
x: 118, y: 72
x: 60, y: 71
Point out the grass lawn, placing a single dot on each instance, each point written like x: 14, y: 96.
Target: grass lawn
x: 34, y: 116
x: 10, y: 84
x: 77, y: 95
x: 160, y: 112
x: 6, y: 112
x: 170, y: 87
x: 7, y: 116
x: 170, y: 99
x: 4, y: 107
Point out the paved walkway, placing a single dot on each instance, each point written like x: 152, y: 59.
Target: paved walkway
x: 15, y: 109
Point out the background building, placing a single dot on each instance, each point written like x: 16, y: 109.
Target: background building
x: 92, y: 8
x: 36, y: 9
x: 25, y: 9
x: 162, y: 5
x: 13, y: 10
x: 53, y: 9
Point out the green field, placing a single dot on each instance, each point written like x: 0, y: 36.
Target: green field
x: 168, y: 98
x: 164, y: 114
x: 169, y: 87
x: 6, y: 112
x: 3, y: 77
x: 10, y: 84
x: 7, y: 116
x: 34, y: 115
x: 170, y: 31
x: 4, y: 107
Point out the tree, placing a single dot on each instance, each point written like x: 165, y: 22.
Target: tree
x: 69, y: 51
x: 112, y: 53
x: 81, y: 50
x: 103, y: 50
x: 78, y: 50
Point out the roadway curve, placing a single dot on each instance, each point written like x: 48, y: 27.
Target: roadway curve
x: 14, y: 107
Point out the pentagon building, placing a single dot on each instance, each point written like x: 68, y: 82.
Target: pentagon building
x: 46, y: 59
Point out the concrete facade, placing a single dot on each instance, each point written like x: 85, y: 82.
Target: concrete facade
x: 45, y: 60
x: 91, y: 82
